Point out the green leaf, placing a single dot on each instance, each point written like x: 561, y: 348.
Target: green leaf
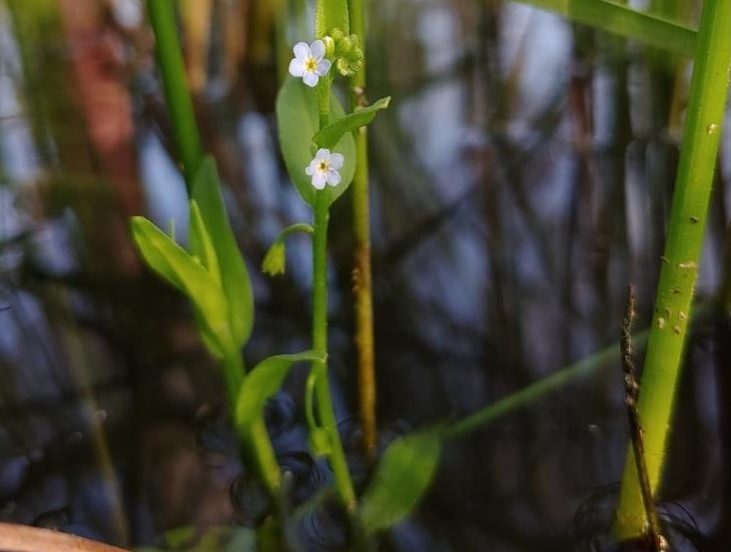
x: 330, y: 15
x: 200, y: 243
x: 263, y: 381
x: 331, y: 134
x: 175, y: 265
x: 402, y: 477
x: 298, y: 121
x: 234, y: 276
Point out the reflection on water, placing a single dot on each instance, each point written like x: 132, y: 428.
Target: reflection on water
x: 521, y: 179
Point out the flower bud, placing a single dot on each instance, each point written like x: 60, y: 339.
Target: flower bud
x: 329, y: 46
x: 345, y: 51
x: 275, y: 260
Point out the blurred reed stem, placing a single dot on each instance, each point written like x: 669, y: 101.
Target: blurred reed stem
x: 362, y: 273
x: 81, y: 373
x: 709, y: 88
x: 175, y: 85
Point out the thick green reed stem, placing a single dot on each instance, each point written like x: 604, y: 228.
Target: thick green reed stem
x: 709, y: 88
x: 180, y: 104
x: 362, y: 279
x: 257, y: 446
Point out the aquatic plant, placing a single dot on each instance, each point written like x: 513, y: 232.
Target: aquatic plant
x: 324, y: 148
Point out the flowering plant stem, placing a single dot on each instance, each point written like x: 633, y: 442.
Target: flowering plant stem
x: 709, y: 88
x: 256, y: 444
x: 325, y: 409
x: 319, y: 345
x: 362, y: 280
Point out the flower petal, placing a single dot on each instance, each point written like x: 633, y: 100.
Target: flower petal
x: 319, y: 179
x: 301, y: 51
x: 311, y: 79
x: 333, y: 178
x: 296, y: 67
x: 323, y: 67
x: 323, y: 154
x: 336, y: 161
x: 318, y: 49
x: 310, y: 169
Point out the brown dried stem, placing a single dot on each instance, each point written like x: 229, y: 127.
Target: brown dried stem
x: 631, y: 394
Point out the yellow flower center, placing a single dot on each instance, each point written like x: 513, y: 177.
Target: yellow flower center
x: 310, y: 64
x: 323, y: 166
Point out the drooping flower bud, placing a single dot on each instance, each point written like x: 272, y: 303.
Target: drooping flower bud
x: 275, y: 260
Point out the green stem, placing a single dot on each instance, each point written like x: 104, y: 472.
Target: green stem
x: 324, y: 100
x: 528, y: 395
x: 259, y: 451
x: 709, y: 87
x: 256, y: 445
x: 294, y: 228
x: 175, y: 85
x: 624, y: 21
x: 233, y: 376
x: 362, y: 273
x: 339, y: 465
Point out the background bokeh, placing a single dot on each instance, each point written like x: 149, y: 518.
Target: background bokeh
x: 520, y: 180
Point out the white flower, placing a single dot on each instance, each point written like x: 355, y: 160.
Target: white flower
x: 324, y: 168
x: 309, y: 62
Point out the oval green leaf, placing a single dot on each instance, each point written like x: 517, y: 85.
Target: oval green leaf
x: 298, y: 120
x: 235, y: 279
x: 402, y: 476
x: 263, y: 382
x: 332, y: 133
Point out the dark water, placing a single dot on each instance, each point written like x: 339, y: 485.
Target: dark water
x: 521, y: 179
